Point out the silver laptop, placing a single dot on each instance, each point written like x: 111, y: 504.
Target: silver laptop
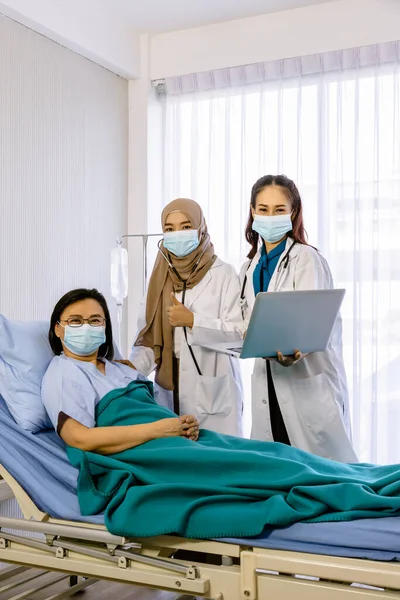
x: 285, y: 322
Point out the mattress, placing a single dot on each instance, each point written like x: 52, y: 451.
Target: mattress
x: 40, y: 464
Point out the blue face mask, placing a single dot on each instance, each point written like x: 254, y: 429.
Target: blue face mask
x: 181, y: 243
x: 84, y: 340
x: 272, y: 229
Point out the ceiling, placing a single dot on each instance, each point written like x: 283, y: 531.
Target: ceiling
x: 107, y: 31
x: 157, y: 16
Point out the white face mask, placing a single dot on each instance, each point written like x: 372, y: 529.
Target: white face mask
x: 84, y: 340
x: 272, y: 229
x: 181, y: 243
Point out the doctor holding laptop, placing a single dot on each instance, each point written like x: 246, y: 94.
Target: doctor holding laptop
x: 301, y: 398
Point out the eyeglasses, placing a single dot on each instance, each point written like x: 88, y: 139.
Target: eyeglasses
x: 79, y: 321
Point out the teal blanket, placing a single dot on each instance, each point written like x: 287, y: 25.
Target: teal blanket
x: 220, y: 486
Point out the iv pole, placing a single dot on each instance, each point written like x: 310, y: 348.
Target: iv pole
x: 145, y: 238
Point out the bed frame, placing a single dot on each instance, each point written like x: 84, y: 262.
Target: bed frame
x: 226, y: 571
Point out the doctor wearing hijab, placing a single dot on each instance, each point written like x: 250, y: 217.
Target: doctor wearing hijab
x: 192, y: 294
x: 300, y: 400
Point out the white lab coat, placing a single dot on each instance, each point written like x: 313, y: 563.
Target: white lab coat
x: 216, y: 396
x: 312, y: 394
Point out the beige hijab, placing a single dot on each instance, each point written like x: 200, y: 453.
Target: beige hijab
x: 157, y: 333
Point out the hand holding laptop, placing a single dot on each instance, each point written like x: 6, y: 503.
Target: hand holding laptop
x: 288, y: 321
x: 287, y: 361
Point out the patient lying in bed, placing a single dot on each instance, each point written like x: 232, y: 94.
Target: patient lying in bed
x: 82, y: 373
x: 153, y: 473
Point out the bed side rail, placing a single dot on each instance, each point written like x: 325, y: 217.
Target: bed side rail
x: 6, y: 492
x: 28, y: 508
x: 260, y: 567
x: 59, y: 540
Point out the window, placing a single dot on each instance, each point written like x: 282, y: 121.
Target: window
x: 337, y: 135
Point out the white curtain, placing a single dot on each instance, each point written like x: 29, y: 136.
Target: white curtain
x: 335, y: 131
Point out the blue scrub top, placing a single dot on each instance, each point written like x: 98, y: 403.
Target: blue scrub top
x: 74, y: 387
x: 266, y: 267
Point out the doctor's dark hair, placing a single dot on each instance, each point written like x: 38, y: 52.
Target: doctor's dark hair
x: 298, y: 233
x: 106, y: 350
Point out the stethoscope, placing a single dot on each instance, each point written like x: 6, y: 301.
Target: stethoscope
x: 184, y: 283
x: 176, y: 272
x: 282, y: 265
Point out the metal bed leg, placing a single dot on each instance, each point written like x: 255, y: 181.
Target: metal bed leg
x: 73, y: 580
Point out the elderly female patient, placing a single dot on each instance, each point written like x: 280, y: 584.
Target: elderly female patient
x: 153, y: 473
x: 83, y: 372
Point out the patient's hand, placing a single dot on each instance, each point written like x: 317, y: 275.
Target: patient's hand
x: 193, y: 431
x: 185, y: 426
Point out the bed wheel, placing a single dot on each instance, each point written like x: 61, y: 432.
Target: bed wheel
x: 73, y: 580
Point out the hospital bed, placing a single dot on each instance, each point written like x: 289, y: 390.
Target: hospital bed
x: 334, y: 561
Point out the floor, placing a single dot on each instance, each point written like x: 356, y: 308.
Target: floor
x: 117, y: 591
x: 101, y: 590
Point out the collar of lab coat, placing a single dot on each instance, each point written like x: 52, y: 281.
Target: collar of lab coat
x: 203, y: 283
x: 278, y: 276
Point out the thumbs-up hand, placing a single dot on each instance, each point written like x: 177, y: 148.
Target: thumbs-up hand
x: 179, y: 315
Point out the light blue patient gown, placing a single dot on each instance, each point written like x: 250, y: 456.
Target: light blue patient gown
x: 74, y: 387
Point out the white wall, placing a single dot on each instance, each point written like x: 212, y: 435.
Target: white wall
x: 63, y: 171
x: 84, y: 27
x: 138, y: 179
x: 145, y: 181
x: 313, y: 29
